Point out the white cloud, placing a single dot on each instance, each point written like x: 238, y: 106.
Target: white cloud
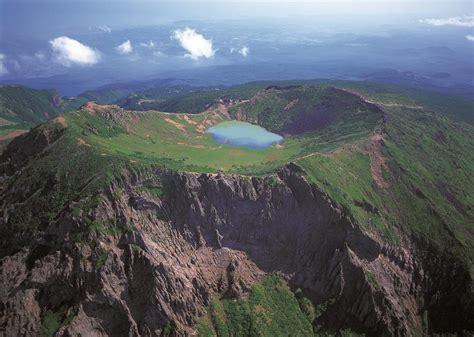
x: 3, y: 69
x: 150, y: 44
x: 459, y: 21
x: 125, y: 48
x: 196, y: 45
x: 470, y: 37
x: 40, y: 55
x: 244, y: 51
x: 105, y: 28
x: 69, y: 52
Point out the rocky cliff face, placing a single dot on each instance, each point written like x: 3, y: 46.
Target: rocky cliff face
x: 204, y: 235
x: 288, y: 226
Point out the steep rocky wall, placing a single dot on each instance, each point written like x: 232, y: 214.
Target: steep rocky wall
x: 288, y: 226
x: 202, y: 236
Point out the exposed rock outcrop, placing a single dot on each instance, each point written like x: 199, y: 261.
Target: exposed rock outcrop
x: 154, y: 261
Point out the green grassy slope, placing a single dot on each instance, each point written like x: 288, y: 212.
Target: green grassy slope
x: 198, y: 99
x: 167, y: 98
x: 428, y: 171
x: 107, y: 96
x: 180, y: 141
x: 456, y: 108
x: 270, y: 310
x: 70, y: 173
x: 19, y: 104
x: 296, y: 110
x: 175, y: 141
x: 22, y: 108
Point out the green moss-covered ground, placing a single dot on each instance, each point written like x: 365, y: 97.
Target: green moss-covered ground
x: 180, y: 141
x: 271, y: 309
x: 22, y: 108
x: 429, y: 171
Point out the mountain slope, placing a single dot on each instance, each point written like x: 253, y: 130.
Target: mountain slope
x: 198, y: 99
x: 113, y: 93
x: 118, y: 222
x: 22, y: 107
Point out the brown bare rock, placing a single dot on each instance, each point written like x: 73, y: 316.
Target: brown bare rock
x: 377, y: 160
x: 205, y: 236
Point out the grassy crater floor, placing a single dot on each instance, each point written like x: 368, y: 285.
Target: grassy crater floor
x: 180, y: 141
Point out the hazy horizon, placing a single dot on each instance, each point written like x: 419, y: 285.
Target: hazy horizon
x: 88, y: 44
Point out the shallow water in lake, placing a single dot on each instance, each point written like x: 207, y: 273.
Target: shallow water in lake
x: 243, y: 134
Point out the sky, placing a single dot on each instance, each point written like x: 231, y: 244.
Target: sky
x: 136, y: 39
x: 44, y: 15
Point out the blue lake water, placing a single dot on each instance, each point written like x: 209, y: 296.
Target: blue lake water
x: 243, y: 134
